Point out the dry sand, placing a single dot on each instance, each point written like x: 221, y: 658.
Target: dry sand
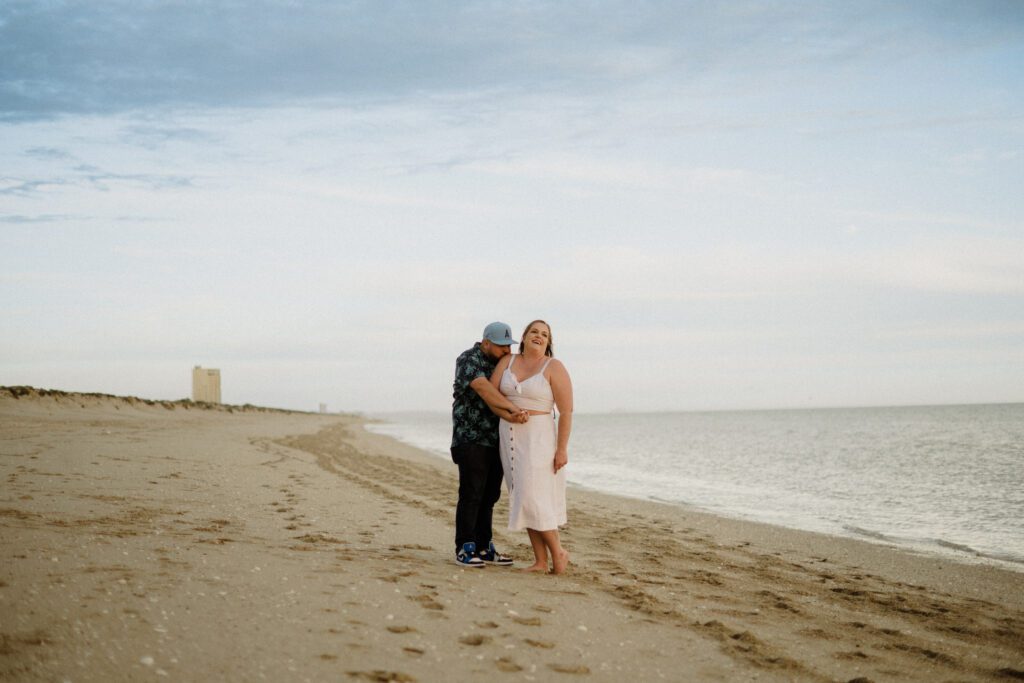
x: 149, y: 541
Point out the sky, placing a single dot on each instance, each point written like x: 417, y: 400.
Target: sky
x: 715, y: 205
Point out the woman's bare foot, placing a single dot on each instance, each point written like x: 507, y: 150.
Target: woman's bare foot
x: 560, y: 562
x: 536, y: 567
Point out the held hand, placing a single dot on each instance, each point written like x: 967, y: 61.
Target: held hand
x: 516, y: 416
x: 561, y: 459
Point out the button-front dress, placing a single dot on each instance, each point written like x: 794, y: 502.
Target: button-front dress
x: 536, y: 493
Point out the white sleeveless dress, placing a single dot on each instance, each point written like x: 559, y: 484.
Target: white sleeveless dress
x: 536, y: 493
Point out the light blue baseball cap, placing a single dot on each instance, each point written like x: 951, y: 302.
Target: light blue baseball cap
x: 500, y: 334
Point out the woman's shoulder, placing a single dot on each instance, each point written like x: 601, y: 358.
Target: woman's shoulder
x: 555, y: 365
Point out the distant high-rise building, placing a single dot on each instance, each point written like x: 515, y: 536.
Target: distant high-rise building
x: 205, y: 385
x: 323, y: 407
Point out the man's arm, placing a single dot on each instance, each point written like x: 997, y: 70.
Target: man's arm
x: 494, y: 399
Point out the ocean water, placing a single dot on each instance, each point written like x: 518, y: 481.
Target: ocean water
x: 941, y: 479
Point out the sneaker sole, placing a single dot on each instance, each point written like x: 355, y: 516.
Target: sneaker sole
x: 472, y: 565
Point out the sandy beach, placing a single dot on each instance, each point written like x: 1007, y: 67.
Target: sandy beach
x: 152, y: 540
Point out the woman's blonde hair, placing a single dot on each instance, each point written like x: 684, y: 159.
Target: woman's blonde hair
x: 550, y: 351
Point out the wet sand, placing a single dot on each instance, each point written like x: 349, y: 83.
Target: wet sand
x: 143, y: 541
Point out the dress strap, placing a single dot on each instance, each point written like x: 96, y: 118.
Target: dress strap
x: 546, y: 365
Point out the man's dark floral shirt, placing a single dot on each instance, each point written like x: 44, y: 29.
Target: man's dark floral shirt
x: 472, y: 420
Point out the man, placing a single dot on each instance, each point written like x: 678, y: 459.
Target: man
x: 475, y: 445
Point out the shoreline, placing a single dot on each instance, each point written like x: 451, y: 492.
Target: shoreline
x: 848, y: 547
x: 145, y: 542
x: 926, y: 547
x: 939, y: 550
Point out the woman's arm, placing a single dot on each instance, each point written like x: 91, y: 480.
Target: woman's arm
x: 561, y: 387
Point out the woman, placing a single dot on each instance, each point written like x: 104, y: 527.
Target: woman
x: 534, y: 454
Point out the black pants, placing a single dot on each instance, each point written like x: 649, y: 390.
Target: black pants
x: 479, y: 489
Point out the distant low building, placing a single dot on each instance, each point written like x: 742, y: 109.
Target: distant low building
x: 205, y: 385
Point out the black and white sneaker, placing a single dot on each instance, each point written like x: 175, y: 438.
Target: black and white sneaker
x: 492, y: 556
x: 466, y: 556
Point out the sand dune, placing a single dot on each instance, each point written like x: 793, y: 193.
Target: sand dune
x: 149, y: 539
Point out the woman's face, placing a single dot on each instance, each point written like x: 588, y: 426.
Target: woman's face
x: 538, y: 336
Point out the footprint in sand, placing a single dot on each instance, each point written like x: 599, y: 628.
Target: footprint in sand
x: 319, y: 538
x: 427, y: 602
x: 401, y: 629
x: 818, y: 633
x: 783, y: 605
x: 569, y: 669
x: 547, y: 645
x: 474, y: 639
x: 527, y: 621
x: 507, y: 665
x: 382, y: 676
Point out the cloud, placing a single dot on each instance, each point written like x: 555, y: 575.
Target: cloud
x: 368, y: 180
x: 22, y: 188
x: 103, y: 180
x: 80, y: 56
x: 621, y: 174
x: 955, y: 265
x: 97, y: 179
x: 40, y: 218
x: 899, y: 121
x: 48, y: 153
x: 736, y: 279
x: 155, y: 136
x: 958, y: 330
x: 959, y: 265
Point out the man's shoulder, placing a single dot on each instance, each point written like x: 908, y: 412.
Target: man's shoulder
x: 471, y: 351
x: 472, y: 356
x: 469, y: 365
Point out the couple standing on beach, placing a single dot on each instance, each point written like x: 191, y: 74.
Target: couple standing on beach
x: 503, y: 424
